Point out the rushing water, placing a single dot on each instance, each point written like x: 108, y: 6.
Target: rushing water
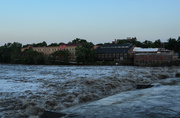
x: 28, y: 90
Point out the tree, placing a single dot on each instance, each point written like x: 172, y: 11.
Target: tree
x: 86, y: 53
x: 123, y: 41
x: 60, y: 56
x: 2, y: 54
x: 53, y: 44
x: 171, y: 44
x: 99, y: 44
x: 42, y: 44
x: 178, y: 45
x: 157, y: 44
x: 138, y: 44
x: 10, y: 52
x: 147, y: 44
x: 29, y: 56
x: 78, y: 40
x: 61, y: 43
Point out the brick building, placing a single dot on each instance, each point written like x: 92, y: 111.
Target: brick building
x: 152, y: 56
x: 114, y: 52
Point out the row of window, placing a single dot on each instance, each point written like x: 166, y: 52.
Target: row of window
x: 47, y: 49
x: 70, y: 48
x: 149, y: 62
x: 165, y: 57
x: 115, y: 47
x: 53, y: 49
x: 113, y: 55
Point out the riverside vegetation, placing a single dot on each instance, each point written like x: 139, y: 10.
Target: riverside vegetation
x: 11, y: 52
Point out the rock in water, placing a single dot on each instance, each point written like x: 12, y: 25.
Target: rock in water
x: 49, y: 114
x: 177, y: 74
x: 143, y: 86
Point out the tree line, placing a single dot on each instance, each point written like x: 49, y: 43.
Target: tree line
x: 171, y: 44
x: 11, y: 53
x: 86, y: 54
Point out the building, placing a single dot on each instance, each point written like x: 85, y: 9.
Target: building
x: 52, y: 49
x: 114, y: 52
x: 152, y: 56
x: 45, y: 50
x: 145, y: 50
x: 71, y: 48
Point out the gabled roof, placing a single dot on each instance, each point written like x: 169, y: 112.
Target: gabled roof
x: 114, y: 48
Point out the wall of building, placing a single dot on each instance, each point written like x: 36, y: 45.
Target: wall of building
x: 72, y: 50
x: 49, y: 50
x: 112, y: 56
x: 145, y: 59
x: 114, y: 52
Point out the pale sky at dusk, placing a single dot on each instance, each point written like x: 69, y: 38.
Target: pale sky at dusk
x: 98, y: 21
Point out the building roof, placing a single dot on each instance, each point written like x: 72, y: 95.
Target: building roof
x: 153, y: 54
x: 114, y: 48
x: 138, y: 49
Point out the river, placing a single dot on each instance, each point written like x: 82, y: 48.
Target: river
x: 29, y: 90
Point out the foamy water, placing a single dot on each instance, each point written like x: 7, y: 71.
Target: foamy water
x: 58, y: 87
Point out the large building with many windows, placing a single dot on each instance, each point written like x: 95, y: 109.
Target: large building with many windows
x: 52, y: 49
x: 114, y: 52
x: 153, y: 56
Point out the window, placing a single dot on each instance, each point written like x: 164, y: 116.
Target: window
x: 125, y: 55
x: 117, y: 55
x: 110, y: 55
x: 114, y: 55
x: 157, y: 57
x: 149, y: 57
x: 106, y: 55
x: 142, y: 57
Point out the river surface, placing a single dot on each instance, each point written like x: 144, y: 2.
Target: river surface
x: 28, y: 90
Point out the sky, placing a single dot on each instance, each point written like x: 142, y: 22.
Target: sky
x: 97, y: 21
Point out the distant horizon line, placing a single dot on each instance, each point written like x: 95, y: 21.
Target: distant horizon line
x: 91, y: 41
